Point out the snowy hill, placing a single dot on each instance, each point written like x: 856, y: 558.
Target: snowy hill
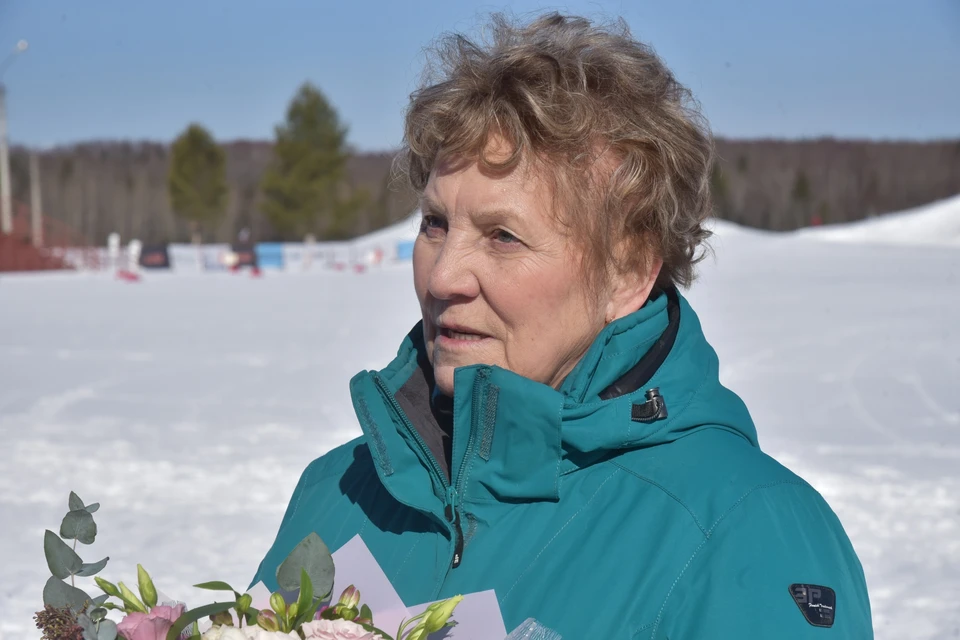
x: 188, y: 404
x: 933, y: 224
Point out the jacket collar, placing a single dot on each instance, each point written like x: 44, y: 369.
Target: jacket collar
x: 513, y: 438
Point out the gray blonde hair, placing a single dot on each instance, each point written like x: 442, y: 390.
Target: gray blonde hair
x: 623, y: 142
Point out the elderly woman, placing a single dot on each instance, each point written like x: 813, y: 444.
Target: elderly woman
x: 554, y: 428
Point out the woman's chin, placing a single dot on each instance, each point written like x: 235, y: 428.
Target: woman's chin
x: 443, y: 378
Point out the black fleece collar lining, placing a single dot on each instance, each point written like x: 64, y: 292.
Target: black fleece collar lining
x: 432, y: 415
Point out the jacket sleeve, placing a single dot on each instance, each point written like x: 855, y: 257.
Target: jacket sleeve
x: 776, y: 565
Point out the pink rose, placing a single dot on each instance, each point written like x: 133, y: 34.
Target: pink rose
x: 337, y: 630
x: 150, y: 626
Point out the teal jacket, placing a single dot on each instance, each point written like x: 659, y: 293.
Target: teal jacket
x: 599, y: 509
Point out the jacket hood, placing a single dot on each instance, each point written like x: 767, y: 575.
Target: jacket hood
x: 648, y: 379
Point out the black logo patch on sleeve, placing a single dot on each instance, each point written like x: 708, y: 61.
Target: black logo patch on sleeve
x: 817, y: 604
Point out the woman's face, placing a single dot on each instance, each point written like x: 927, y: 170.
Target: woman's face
x: 498, y: 281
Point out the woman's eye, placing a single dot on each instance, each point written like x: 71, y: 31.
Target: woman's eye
x: 432, y: 225
x: 505, y: 236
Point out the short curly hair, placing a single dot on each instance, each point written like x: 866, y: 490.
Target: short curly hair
x: 619, y: 136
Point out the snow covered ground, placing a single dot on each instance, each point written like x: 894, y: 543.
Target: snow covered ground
x: 188, y: 405
x: 937, y: 223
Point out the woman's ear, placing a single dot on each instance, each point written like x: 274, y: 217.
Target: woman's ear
x: 631, y: 289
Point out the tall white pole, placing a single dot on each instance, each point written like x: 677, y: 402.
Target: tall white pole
x: 36, y: 211
x: 6, y: 204
x: 6, y: 195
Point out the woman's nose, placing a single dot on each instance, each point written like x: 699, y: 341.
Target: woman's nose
x: 453, y: 274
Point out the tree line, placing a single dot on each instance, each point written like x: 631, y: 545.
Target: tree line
x: 307, y: 181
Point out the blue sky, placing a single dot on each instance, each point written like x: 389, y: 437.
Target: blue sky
x: 131, y: 69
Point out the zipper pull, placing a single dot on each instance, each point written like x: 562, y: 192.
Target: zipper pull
x: 452, y: 514
x: 453, y: 517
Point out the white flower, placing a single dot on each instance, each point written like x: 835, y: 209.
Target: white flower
x: 222, y: 632
x: 252, y: 632
x: 337, y: 630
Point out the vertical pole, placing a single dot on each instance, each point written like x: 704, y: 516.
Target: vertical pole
x: 6, y: 204
x: 36, y: 211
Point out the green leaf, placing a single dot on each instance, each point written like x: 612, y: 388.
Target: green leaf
x: 89, y: 627
x: 92, y: 508
x: 111, y: 606
x: 305, y: 600
x: 148, y: 592
x: 312, y: 556
x: 75, y: 503
x: 107, y: 587
x: 61, y: 559
x: 98, y: 614
x: 87, y: 570
x: 59, y: 594
x: 78, y: 524
x: 373, y: 629
x: 99, y: 600
x: 366, y: 613
x: 107, y: 631
x: 193, y: 615
x: 217, y: 585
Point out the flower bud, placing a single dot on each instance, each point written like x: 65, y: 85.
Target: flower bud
x: 223, y: 619
x: 292, y: 611
x: 268, y: 620
x: 278, y: 605
x: 107, y: 587
x: 438, y: 614
x: 148, y: 592
x: 243, y: 603
x: 131, y: 601
x: 350, y: 598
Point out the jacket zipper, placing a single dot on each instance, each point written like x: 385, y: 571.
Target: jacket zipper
x: 450, y: 510
x: 452, y: 514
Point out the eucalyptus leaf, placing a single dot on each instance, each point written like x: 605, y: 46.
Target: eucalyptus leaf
x: 89, y: 627
x: 99, y: 600
x: 192, y: 615
x: 312, y: 556
x: 61, y: 559
x: 107, y: 631
x: 59, y: 594
x: 87, y: 570
x: 78, y: 524
x: 98, y: 614
x: 92, y: 508
x: 75, y: 503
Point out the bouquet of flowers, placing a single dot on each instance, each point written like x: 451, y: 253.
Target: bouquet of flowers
x: 301, y: 609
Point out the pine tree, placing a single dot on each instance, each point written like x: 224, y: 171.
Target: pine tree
x: 197, y: 179
x: 801, y: 195
x: 305, y: 188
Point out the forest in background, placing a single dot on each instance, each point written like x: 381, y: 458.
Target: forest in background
x: 101, y: 187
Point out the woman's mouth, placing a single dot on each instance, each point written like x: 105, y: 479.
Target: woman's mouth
x: 458, y: 337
